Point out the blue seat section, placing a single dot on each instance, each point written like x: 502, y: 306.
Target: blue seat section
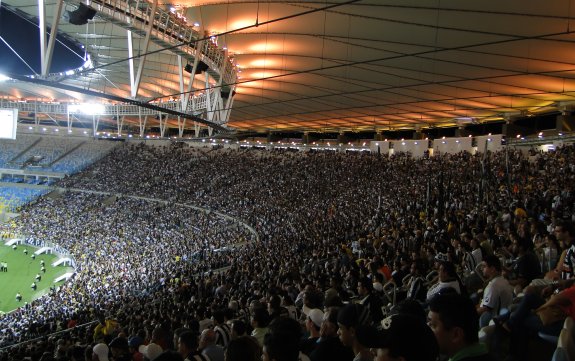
x: 81, y: 157
x: 13, y: 197
x: 58, y: 154
x: 10, y: 148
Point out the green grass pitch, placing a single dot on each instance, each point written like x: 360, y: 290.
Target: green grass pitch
x: 21, y: 273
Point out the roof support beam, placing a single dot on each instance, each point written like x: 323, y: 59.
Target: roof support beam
x: 163, y: 124
x: 133, y: 89
x: 42, y: 29
x: 145, y: 50
x: 46, y: 54
x: 183, y: 96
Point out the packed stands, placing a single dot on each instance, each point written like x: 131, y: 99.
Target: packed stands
x: 332, y: 228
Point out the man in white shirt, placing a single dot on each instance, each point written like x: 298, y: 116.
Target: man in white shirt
x: 448, y: 278
x: 497, y: 295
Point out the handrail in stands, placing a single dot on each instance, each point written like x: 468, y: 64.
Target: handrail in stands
x: 47, y: 336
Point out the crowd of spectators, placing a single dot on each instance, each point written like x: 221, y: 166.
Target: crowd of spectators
x: 333, y: 228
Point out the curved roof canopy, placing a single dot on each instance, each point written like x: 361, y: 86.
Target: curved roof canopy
x: 342, y: 65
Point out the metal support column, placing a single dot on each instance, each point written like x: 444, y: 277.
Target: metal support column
x: 145, y: 50
x: 47, y: 55
x: 143, y: 125
x: 133, y: 89
x: 183, y: 97
x: 42, y: 29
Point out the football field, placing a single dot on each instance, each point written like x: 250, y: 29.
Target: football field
x: 22, y: 270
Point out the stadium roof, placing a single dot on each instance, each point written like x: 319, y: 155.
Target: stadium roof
x: 339, y: 65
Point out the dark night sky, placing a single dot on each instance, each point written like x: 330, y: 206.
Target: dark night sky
x: 23, y: 36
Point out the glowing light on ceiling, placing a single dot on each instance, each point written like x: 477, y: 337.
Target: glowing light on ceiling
x: 263, y: 47
x: 261, y: 63
x: 241, y: 24
x: 264, y: 74
x: 86, y: 108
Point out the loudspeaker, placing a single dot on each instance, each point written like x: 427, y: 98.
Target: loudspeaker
x: 81, y: 15
x: 200, y: 68
x: 226, y: 94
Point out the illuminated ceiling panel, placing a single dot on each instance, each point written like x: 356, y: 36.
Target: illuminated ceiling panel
x: 370, y: 64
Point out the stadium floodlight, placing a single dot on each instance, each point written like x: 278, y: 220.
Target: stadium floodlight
x: 87, y: 108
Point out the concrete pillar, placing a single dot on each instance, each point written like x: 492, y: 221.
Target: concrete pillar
x: 565, y: 122
x: 305, y: 138
x: 341, y: 139
x: 417, y: 135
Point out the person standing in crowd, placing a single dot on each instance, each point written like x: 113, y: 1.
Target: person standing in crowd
x: 209, y: 348
x: 329, y: 346
x: 188, y: 347
x: 497, y: 295
x: 352, y: 320
x: 447, y: 278
x: 120, y: 349
x: 405, y: 337
x: 312, y: 324
x: 222, y: 329
x: 369, y: 299
x: 455, y: 323
x: 260, y: 321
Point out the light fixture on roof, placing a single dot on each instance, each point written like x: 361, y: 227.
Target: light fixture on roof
x: 87, y: 108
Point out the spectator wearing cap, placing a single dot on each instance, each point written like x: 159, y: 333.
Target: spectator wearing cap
x: 100, y: 352
x: 313, y: 323
x: 455, y: 323
x: 150, y: 351
x: 329, y: 346
x: 405, y: 337
x: 447, y: 278
x: 497, y: 295
x: 134, y: 343
x: 119, y: 349
x: 350, y: 319
x: 369, y: 299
